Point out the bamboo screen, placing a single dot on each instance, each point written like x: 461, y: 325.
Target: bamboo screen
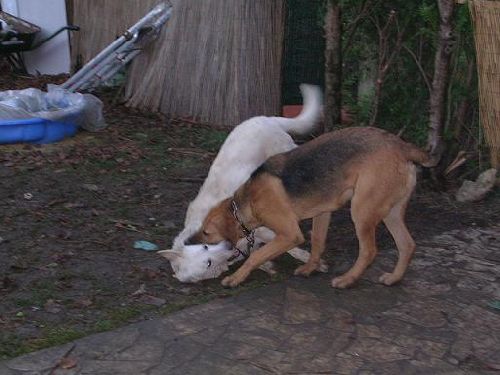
x: 218, y: 61
x: 101, y: 22
x: 486, y: 20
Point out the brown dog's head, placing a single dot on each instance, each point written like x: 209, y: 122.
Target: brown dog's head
x: 219, y: 225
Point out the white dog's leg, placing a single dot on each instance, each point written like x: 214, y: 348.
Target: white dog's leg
x: 268, y: 267
x: 266, y: 235
x: 263, y: 234
x: 303, y: 256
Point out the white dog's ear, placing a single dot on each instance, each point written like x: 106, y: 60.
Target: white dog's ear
x: 170, y: 254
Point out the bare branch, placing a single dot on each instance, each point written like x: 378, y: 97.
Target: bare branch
x: 420, y: 68
x: 351, y: 30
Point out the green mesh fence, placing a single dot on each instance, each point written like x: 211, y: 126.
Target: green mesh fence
x: 303, y: 59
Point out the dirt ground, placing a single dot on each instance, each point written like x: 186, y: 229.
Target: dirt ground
x: 71, y: 213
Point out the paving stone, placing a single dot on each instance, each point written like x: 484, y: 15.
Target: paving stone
x: 255, y: 336
x: 235, y: 350
x: 301, y: 307
x: 111, y: 367
x: 4, y: 370
x: 342, y: 321
x: 105, y: 344
x: 374, y: 350
x: 176, y: 355
x: 145, y: 348
x: 208, y: 336
x: 268, y: 359
x: 426, y: 312
x: 436, y: 321
x: 426, y: 288
x: 38, y: 361
x: 427, y: 347
x: 336, y: 364
x: 206, y: 363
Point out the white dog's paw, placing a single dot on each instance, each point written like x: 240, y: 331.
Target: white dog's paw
x: 269, y: 268
x: 322, y: 267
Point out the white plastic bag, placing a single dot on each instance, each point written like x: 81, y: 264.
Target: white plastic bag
x: 84, y: 110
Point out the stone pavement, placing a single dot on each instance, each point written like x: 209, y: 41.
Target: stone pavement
x: 442, y: 319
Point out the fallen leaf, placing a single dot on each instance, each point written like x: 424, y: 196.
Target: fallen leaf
x: 149, y: 274
x: 6, y: 283
x: 74, y: 205
x: 90, y: 187
x: 19, y: 266
x: 83, y: 302
x: 493, y: 366
x: 152, y: 300
x: 140, y: 291
x: 52, y: 307
x: 67, y: 363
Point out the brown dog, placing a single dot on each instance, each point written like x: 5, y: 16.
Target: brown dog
x: 372, y: 168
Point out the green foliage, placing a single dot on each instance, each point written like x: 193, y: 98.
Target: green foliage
x: 404, y: 101
x: 209, y: 139
x: 429, y: 16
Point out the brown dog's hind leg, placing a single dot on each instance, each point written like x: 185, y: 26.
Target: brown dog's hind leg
x: 318, y: 238
x: 367, y: 210
x: 404, y: 242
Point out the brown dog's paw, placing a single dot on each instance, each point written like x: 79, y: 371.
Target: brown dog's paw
x: 230, y: 281
x: 342, y: 282
x: 389, y: 279
x: 305, y: 270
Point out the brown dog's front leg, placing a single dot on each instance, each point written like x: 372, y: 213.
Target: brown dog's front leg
x: 318, y: 238
x: 279, y: 245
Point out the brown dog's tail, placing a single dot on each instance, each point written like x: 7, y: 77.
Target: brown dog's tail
x: 419, y: 156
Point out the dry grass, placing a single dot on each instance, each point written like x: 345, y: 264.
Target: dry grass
x: 486, y: 20
x: 218, y: 61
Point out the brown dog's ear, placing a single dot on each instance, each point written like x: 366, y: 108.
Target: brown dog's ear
x: 170, y: 254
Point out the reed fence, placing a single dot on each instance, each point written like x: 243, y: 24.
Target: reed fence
x: 486, y: 21
x: 217, y: 61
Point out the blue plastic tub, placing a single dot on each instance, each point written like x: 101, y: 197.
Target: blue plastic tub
x: 34, y: 116
x: 35, y: 130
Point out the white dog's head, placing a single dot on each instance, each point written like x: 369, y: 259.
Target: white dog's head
x: 199, y: 262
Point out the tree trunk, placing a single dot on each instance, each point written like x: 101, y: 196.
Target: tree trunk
x: 333, y: 66
x: 441, y: 76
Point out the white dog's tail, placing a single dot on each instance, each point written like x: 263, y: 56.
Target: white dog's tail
x: 305, y: 122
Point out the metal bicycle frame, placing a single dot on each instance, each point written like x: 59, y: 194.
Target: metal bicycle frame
x: 107, y: 63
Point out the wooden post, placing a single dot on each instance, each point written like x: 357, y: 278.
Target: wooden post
x: 333, y: 65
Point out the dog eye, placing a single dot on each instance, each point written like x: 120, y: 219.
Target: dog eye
x: 209, y: 263
x: 205, y: 247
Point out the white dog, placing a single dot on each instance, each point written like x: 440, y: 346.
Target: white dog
x: 245, y: 149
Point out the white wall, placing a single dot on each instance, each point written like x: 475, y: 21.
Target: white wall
x: 52, y: 57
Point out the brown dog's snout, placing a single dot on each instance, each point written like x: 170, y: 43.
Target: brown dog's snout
x: 191, y: 240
